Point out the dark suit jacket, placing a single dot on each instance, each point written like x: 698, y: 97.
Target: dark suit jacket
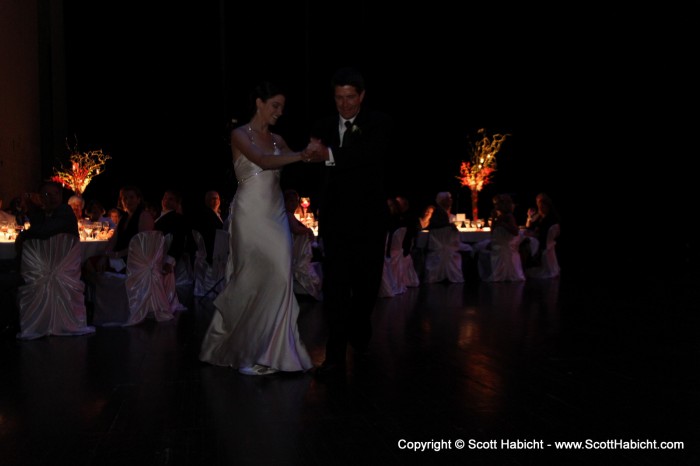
x: 357, y: 181
x: 61, y: 220
x: 45, y: 226
x: 206, y: 223
x: 439, y: 219
x: 178, y: 225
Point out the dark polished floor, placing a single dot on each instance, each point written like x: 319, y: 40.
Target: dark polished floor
x: 572, y: 359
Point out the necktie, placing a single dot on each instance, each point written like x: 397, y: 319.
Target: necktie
x: 348, y: 130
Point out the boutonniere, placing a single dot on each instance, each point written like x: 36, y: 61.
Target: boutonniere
x: 355, y: 129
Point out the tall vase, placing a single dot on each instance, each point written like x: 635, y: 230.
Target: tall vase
x: 475, y: 205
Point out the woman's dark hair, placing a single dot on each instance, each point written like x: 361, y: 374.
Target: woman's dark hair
x: 264, y: 91
x: 132, y: 189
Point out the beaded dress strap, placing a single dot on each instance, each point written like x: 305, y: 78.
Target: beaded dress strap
x: 276, y: 151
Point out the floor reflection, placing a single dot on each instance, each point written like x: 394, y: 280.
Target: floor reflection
x: 550, y: 359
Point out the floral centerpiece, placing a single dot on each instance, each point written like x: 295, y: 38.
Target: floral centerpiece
x: 478, y: 172
x: 84, y: 166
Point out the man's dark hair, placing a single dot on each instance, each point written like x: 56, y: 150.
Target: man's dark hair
x: 348, y: 77
x: 47, y: 183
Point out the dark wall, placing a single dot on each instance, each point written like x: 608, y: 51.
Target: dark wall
x: 154, y: 87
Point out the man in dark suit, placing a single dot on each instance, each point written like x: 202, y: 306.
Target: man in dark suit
x: 354, y: 146
x: 48, y: 215
x: 208, y: 220
x: 172, y: 221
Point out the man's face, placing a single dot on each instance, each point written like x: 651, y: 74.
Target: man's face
x: 213, y: 201
x: 348, y: 101
x: 169, y: 202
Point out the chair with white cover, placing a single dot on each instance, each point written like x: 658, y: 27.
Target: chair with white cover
x: 499, y: 258
x: 549, y: 267
x: 307, y: 274
x: 130, y: 298
x: 391, y: 284
x: 52, y: 300
x: 410, y: 273
x: 170, y: 280
x: 443, y: 260
x: 399, y: 272
x: 145, y: 284
x: 211, y: 278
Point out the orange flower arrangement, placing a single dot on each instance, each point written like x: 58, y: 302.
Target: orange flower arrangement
x: 477, y: 173
x: 84, y: 166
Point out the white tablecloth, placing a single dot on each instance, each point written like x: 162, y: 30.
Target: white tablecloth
x: 474, y: 237
x: 466, y: 236
x: 89, y: 248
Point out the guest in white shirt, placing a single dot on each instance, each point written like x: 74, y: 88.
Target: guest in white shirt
x: 77, y: 203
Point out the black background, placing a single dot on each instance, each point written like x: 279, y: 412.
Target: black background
x: 589, y: 97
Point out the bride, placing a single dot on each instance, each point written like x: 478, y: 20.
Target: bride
x: 254, y: 327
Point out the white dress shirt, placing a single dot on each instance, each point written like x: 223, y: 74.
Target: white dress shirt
x: 342, y: 128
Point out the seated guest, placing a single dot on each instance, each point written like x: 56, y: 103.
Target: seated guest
x: 303, y: 210
x: 442, y: 215
x: 425, y: 216
x: 213, y: 201
x: 172, y: 221
x: 499, y: 259
x: 14, y: 212
x: 538, y: 222
x: 114, y: 216
x: 135, y: 220
x: 291, y: 204
x: 208, y: 219
x: 77, y: 203
x: 47, y: 213
x: 503, y: 214
x: 305, y: 269
x: 96, y: 213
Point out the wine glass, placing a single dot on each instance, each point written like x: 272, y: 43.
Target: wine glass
x: 87, y: 228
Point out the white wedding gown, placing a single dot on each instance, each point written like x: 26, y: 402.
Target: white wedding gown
x: 255, y: 320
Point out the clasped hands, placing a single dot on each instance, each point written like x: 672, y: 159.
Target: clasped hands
x: 315, y: 151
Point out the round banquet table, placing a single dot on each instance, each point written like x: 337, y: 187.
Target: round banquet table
x: 88, y: 248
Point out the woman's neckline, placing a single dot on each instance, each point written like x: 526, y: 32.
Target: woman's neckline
x: 272, y: 137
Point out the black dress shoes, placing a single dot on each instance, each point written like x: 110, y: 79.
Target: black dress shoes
x: 330, y: 369
x: 362, y: 352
